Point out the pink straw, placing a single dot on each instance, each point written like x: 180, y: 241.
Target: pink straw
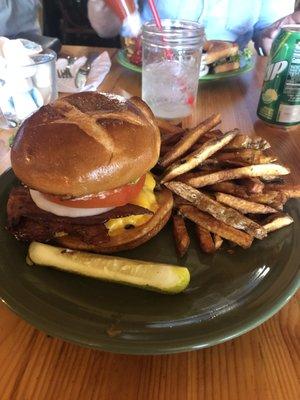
x: 169, y: 54
x: 155, y: 14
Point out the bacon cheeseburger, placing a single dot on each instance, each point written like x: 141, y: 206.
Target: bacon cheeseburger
x: 84, y: 162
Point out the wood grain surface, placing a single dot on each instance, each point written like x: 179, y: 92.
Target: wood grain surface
x: 263, y: 364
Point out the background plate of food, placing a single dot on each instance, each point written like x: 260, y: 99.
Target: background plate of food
x: 220, y: 59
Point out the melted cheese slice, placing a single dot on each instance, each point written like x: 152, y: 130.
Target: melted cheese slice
x: 146, y: 198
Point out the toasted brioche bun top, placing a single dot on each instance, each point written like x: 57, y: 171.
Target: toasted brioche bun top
x: 217, y: 49
x: 86, y: 143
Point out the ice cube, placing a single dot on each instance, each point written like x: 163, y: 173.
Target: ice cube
x: 37, y: 97
x: 42, y: 78
x: 24, y: 105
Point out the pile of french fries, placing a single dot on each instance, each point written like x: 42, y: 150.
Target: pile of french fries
x: 228, y: 184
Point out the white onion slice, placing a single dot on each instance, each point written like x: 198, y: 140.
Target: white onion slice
x: 63, y: 211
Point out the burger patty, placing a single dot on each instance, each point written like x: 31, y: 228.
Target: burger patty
x: 28, y: 222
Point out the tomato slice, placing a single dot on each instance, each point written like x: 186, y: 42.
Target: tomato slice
x: 110, y: 198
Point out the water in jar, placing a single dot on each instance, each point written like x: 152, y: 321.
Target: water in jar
x: 169, y: 85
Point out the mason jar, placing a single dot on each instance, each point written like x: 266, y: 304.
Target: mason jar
x: 171, y: 63
x: 26, y: 88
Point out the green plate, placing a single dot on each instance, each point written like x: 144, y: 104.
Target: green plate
x: 246, y: 65
x: 229, y: 294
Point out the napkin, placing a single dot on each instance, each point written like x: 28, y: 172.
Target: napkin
x: 19, y: 96
x: 17, y: 52
x: 99, y: 69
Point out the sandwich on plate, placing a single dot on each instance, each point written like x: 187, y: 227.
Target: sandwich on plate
x: 84, y: 166
x: 221, y: 56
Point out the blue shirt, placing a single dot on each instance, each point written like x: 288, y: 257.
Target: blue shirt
x: 233, y: 20
x: 18, y: 16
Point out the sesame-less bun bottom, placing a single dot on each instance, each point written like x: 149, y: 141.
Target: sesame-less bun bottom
x: 133, y: 237
x: 228, y: 66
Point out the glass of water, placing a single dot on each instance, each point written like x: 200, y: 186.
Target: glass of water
x: 26, y: 88
x: 171, y: 63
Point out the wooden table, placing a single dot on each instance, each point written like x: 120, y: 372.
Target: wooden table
x: 260, y: 365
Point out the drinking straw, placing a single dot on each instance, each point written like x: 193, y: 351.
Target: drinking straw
x: 169, y: 54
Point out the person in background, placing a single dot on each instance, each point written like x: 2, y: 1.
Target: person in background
x: 18, y: 17
x: 231, y: 20
x: 264, y: 39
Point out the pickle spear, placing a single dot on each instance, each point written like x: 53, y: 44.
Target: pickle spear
x: 164, y: 278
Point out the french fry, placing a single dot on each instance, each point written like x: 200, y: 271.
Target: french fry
x: 164, y: 148
x: 253, y: 185
x: 244, y: 156
x: 277, y: 221
x: 218, y: 241
x: 278, y: 206
x: 244, y: 206
x: 181, y: 235
x: 239, y: 178
x: 179, y: 201
x: 168, y: 141
x: 167, y: 146
x: 167, y: 128
x: 230, y: 188
x: 205, y: 239
x: 171, y: 139
x: 271, y: 197
x: 215, y: 133
x: 271, y: 179
x: 238, y: 173
x: 227, y: 215
x: 291, y: 191
x: 190, y: 175
x: 212, y: 225
x: 170, y: 133
x: 248, y: 142
x: 189, y: 139
x: 198, y: 156
x: 207, y: 168
x: 208, y: 163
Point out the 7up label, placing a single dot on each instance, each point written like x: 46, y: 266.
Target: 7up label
x: 280, y: 96
x: 275, y: 69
